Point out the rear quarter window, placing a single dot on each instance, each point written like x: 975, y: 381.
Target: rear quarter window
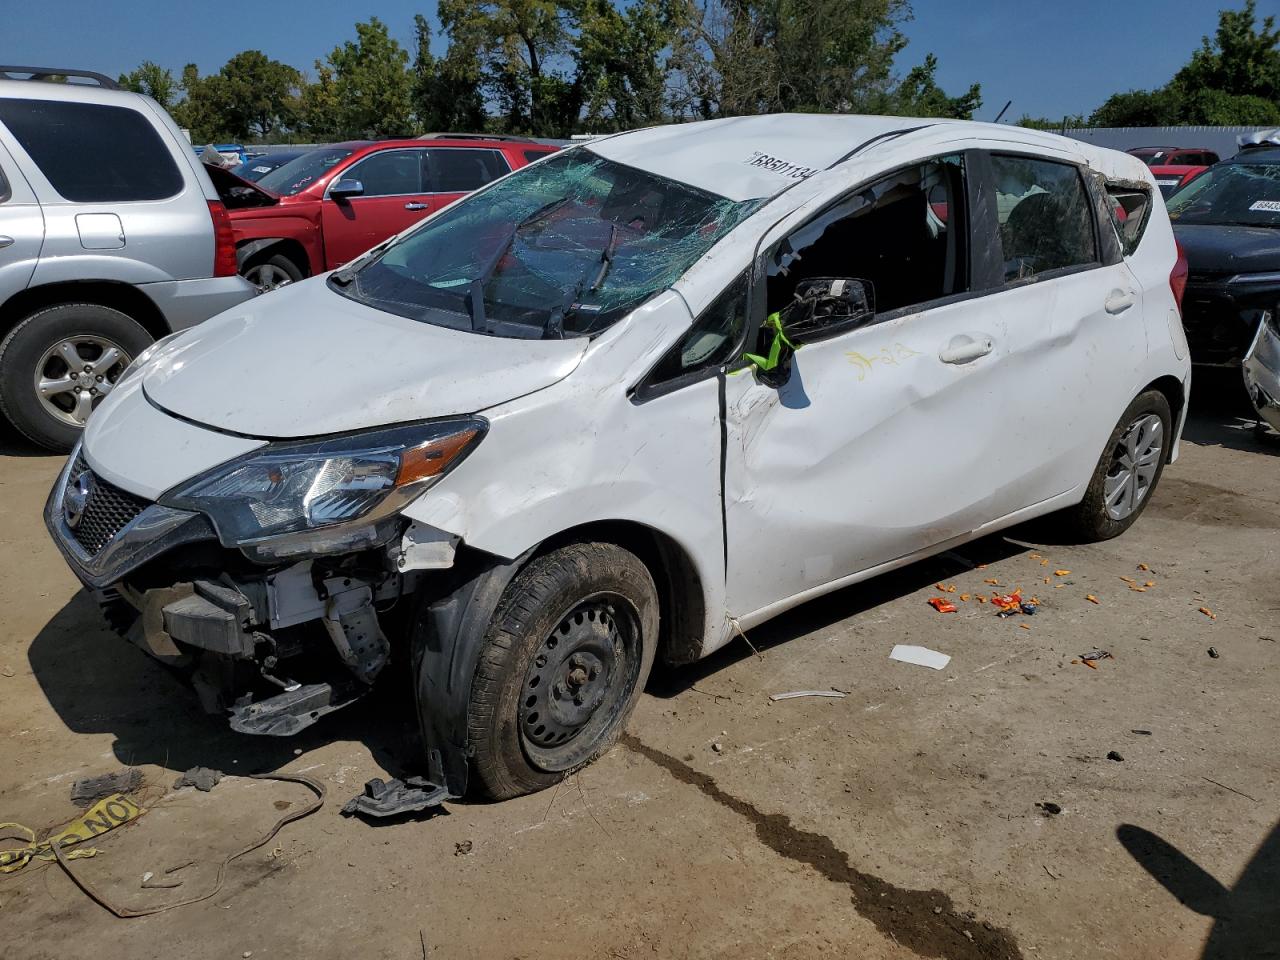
x: 93, y: 153
x: 1130, y: 213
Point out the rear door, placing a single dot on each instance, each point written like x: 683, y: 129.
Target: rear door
x: 21, y: 228
x: 395, y: 197
x: 1068, y: 313
x: 456, y: 171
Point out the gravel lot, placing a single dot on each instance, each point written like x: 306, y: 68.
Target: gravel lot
x: 900, y: 821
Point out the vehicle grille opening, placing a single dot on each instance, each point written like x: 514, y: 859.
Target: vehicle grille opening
x: 106, y: 512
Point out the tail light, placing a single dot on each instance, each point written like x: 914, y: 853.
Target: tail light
x: 224, y: 241
x: 1178, y: 276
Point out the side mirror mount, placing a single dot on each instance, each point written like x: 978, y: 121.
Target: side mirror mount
x: 824, y: 306
x: 345, y: 190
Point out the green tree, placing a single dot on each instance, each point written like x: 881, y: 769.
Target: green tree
x: 621, y: 61
x: 760, y: 56
x: 918, y: 95
x: 1232, y: 79
x: 447, y: 90
x: 368, y: 88
x: 251, y: 98
x: 153, y: 80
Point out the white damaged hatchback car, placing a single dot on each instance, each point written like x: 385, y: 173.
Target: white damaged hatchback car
x: 623, y: 403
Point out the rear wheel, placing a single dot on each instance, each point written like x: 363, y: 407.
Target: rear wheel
x: 58, y: 363
x: 562, y: 667
x: 1127, y: 472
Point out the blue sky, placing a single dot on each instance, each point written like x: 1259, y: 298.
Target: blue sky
x: 1051, y: 57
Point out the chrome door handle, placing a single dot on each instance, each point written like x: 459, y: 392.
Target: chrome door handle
x: 1118, y: 301
x: 965, y: 348
x: 6, y: 242
x: 414, y: 205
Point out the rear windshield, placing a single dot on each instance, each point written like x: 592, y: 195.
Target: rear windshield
x: 91, y: 153
x: 562, y: 248
x: 296, y: 175
x: 1239, y: 194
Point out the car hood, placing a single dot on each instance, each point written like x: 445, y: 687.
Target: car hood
x: 236, y: 193
x: 1221, y: 250
x: 305, y: 361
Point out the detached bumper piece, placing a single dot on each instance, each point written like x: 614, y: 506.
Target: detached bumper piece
x: 1262, y: 371
x: 287, y: 713
x: 391, y: 798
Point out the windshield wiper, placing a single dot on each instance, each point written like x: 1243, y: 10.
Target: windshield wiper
x: 346, y: 274
x: 606, y: 257
x: 475, y: 290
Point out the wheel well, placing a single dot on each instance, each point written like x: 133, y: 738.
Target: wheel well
x: 681, y: 599
x: 290, y: 248
x: 108, y: 293
x: 1171, y: 387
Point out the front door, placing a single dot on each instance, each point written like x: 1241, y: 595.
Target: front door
x: 886, y: 438
x: 396, y: 196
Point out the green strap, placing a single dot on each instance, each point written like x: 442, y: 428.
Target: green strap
x: 772, y: 322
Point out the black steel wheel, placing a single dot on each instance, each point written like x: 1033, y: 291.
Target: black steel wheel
x: 562, y: 667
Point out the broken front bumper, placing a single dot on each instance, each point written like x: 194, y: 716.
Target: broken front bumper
x: 1262, y: 371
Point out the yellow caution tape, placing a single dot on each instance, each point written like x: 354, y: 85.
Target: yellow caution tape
x: 106, y: 814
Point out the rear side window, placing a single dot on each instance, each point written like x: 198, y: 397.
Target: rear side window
x: 1045, y: 218
x: 458, y: 170
x: 1130, y: 211
x: 531, y: 155
x: 93, y: 153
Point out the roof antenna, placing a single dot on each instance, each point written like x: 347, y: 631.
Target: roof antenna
x: 1001, y: 113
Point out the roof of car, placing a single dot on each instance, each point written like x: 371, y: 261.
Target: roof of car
x: 748, y: 158
x: 1256, y: 154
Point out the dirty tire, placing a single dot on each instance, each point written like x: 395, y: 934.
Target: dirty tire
x: 22, y: 349
x: 1088, y: 521
x: 269, y: 273
x: 541, y: 599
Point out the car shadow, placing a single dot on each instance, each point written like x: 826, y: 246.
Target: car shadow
x: 667, y: 681
x: 98, y: 683
x: 1246, y: 916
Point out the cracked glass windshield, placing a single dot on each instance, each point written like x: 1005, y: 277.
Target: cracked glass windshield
x: 1242, y: 194
x: 563, y: 248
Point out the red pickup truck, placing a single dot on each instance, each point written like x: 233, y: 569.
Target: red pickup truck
x: 333, y: 203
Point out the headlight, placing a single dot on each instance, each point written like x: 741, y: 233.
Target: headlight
x: 291, y: 487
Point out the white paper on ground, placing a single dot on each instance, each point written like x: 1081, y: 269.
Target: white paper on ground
x: 921, y: 656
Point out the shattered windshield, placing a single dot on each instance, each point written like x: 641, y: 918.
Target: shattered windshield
x: 301, y: 172
x: 562, y: 248
x: 1240, y: 194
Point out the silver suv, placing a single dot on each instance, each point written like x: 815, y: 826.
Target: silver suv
x: 111, y: 236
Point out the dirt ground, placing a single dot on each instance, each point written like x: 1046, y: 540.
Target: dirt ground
x: 900, y: 821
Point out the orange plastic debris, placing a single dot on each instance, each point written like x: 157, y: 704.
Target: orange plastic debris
x: 1143, y: 566
x: 1137, y: 589
x: 1209, y: 613
x: 1149, y: 583
x: 1091, y: 598
x: 941, y: 605
x: 994, y: 582
x: 1008, y: 601
x: 964, y: 597
x: 1044, y: 563
x: 1024, y: 626
x: 1128, y: 580
x: 982, y: 599
x: 1061, y: 573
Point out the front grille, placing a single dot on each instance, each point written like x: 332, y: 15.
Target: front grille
x: 106, y: 511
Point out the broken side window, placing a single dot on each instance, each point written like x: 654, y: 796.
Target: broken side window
x: 1130, y: 210
x: 904, y: 236
x: 1045, y: 218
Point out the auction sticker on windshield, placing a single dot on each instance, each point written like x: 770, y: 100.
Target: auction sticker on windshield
x: 1271, y: 206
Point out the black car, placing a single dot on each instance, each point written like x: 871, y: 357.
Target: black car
x: 1228, y: 223
x: 255, y: 168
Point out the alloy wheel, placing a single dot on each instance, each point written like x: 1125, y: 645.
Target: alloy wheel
x: 267, y: 277
x: 75, y: 374
x: 1134, y: 464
